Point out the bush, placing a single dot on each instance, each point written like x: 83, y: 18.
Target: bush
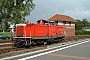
x: 82, y: 32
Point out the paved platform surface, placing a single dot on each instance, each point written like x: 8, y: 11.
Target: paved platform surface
x: 79, y: 52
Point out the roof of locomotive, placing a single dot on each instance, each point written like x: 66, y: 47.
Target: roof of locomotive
x: 42, y: 20
x: 20, y: 24
x: 38, y: 23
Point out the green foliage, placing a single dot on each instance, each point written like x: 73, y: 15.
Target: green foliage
x: 6, y: 26
x: 15, y: 11
x: 80, y: 24
x: 82, y: 32
x: 5, y: 33
x: 85, y: 23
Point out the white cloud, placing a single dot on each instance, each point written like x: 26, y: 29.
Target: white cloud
x: 78, y: 13
x: 78, y: 9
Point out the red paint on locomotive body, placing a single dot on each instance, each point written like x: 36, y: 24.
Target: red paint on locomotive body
x: 38, y: 30
x: 30, y: 34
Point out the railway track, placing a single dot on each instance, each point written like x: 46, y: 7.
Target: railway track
x: 8, y: 48
x: 5, y: 44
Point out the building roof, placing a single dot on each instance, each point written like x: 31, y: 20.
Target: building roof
x: 62, y: 18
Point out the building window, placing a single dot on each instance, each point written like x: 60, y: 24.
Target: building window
x: 64, y: 22
x: 72, y: 24
x: 56, y: 22
x: 69, y: 22
x: 60, y: 22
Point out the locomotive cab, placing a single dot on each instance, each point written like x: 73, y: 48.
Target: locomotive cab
x: 42, y: 22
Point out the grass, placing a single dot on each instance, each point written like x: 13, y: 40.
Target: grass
x: 6, y: 33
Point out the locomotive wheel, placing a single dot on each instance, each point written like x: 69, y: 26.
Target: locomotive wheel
x: 33, y: 43
x: 19, y: 43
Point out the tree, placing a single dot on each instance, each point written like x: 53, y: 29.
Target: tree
x: 82, y: 23
x: 85, y: 23
x: 79, y: 25
x: 15, y: 11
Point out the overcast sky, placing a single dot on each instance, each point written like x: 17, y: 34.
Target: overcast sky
x: 77, y: 9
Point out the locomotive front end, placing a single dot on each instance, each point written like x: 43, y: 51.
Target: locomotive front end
x: 22, y: 37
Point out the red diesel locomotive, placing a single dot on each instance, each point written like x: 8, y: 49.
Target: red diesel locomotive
x: 41, y: 33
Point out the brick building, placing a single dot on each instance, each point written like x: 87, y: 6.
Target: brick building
x: 67, y: 22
